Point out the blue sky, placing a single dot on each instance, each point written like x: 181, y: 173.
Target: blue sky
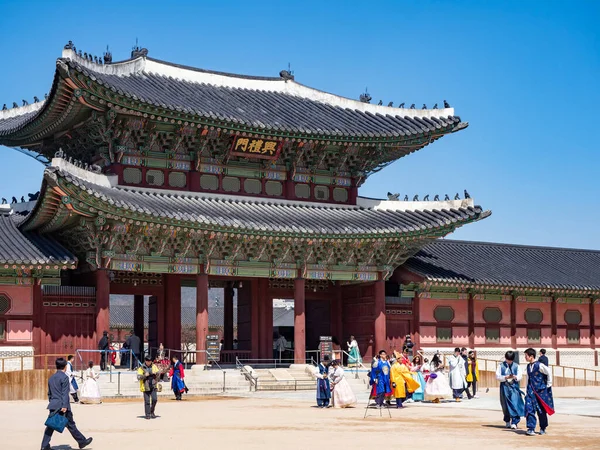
x: 524, y: 74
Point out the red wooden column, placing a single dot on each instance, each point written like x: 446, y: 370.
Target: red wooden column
x: 173, y: 312
x: 299, y: 322
x: 39, y: 337
x: 228, y: 319
x: 416, y: 328
x: 592, y: 325
x: 255, y: 318
x: 102, y: 302
x: 471, y: 319
x: 553, y: 324
x: 380, y: 332
x: 513, y: 321
x: 266, y: 319
x: 138, y: 317
x: 201, y: 316
x: 336, y: 327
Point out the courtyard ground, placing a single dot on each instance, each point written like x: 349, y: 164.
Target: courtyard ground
x: 289, y: 420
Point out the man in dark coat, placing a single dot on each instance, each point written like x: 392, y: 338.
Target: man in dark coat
x: 103, y: 347
x: 465, y: 356
x: 58, y: 400
x: 135, y: 345
x: 543, y: 358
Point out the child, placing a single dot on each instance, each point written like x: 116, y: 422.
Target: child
x: 539, y: 393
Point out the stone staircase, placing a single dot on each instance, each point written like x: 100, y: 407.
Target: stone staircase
x: 199, y: 382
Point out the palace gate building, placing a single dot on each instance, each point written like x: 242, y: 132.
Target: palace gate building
x: 161, y: 176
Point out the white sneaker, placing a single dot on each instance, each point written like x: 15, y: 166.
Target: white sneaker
x: 410, y: 400
x: 513, y: 427
x: 476, y: 396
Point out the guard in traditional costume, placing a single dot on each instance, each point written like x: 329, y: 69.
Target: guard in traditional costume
x: 380, y: 378
x: 538, y: 399
x: 509, y: 374
x: 323, y: 386
x: 74, y: 387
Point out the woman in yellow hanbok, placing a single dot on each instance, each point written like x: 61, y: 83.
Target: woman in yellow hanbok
x: 402, y: 381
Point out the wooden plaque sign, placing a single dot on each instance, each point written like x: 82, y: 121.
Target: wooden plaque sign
x: 256, y: 148
x: 213, y: 347
x: 326, y: 347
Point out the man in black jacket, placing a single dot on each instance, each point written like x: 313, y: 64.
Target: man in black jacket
x: 58, y: 400
x: 135, y: 345
x: 543, y: 358
x: 103, y: 347
x: 464, y: 355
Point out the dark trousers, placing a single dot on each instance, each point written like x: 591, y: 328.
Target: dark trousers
x: 473, y: 392
x: 322, y: 402
x: 399, y: 402
x: 379, y: 399
x: 150, y: 399
x: 79, y: 438
x: 457, y: 392
x: 531, y: 419
x: 103, y: 360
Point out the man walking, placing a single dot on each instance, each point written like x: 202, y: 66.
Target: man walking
x: 509, y: 375
x: 147, y: 374
x: 539, y: 394
x: 74, y: 386
x: 58, y: 400
x: 135, y: 345
x: 457, y: 374
x: 465, y: 357
x: 103, y: 347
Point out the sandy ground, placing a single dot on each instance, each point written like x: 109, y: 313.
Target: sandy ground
x: 276, y: 423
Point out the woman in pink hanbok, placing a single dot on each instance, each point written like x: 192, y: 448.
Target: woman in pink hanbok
x: 343, y: 397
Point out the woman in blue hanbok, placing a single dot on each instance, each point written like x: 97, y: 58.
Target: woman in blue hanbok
x: 417, y: 374
x: 354, y: 359
x: 177, y: 375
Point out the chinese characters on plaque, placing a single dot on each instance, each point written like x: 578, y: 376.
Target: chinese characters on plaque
x: 256, y: 148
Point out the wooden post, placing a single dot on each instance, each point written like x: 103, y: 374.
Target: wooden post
x: 513, y: 321
x: 380, y: 332
x: 471, y: 319
x: 554, y: 326
x: 39, y: 337
x: 102, y: 302
x: 228, y: 319
x: 593, y: 326
x: 266, y: 322
x: 138, y: 317
x: 173, y: 312
x: 299, y: 322
x: 416, y: 327
x: 201, y: 316
x: 255, y: 316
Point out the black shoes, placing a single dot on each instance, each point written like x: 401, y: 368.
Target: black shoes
x: 85, y: 443
x: 153, y: 416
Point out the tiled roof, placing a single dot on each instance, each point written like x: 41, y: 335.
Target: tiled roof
x: 259, y: 103
x: 24, y: 248
x: 507, y: 265
x: 273, y: 215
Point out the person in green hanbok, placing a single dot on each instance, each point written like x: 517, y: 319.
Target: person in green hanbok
x: 354, y: 359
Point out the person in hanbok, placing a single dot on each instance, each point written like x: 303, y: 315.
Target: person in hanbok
x: 539, y: 397
x: 73, y: 386
x: 509, y: 374
x: 403, y: 383
x: 457, y: 374
x: 437, y: 387
x: 321, y: 373
x: 417, y: 374
x: 176, y: 373
x: 379, y: 378
x: 90, y: 391
x: 354, y: 359
x: 341, y: 392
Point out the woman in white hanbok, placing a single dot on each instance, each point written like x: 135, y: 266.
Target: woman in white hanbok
x: 90, y: 392
x: 342, y: 394
x: 437, y: 387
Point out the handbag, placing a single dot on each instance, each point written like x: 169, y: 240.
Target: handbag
x: 56, y: 421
